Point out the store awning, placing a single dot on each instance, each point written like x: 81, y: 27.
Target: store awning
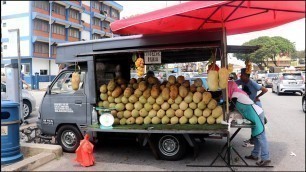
x: 237, y: 16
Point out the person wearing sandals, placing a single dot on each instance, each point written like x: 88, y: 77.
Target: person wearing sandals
x: 254, y: 113
x: 251, y: 88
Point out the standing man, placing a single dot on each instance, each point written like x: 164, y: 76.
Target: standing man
x: 251, y: 88
x: 22, y: 80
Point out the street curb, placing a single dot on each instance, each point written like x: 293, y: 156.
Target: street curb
x: 31, y: 163
x: 30, y: 149
x: 38, y: 155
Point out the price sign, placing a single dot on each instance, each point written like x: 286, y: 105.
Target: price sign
x: 152, y: 57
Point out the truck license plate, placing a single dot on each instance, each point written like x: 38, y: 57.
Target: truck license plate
x: 4, y: 131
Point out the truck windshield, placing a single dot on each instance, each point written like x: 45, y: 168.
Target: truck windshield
x: 63, y: 84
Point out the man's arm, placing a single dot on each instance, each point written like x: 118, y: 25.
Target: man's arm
x: 263, y: 91
x: 259, y: 87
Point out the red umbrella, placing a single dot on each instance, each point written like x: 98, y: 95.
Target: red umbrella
x: 237, y: 16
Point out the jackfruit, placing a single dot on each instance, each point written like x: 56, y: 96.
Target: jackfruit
x: 201, y: 120
x: 188, y: 113
x: 142, y: 99
x: 128, y: 92
x: 143, y: 112
x: 197, y: 97
x: 147, y: 120
x: 206, y: 112
x: 135, y: 113
x: 111, y: 85
x: 183, y: 120
x: 119, y: 107
x: 165, y: 120
x: 173, y: 92
x: 155, y: 91
x: 178, y: 100
x: 180, y: 79
x: 110, y: 99
x: 103, y: 88
x: 165, y: 106
x: 105, y: 104
x: 160, y: 100
x: 148, y: 107
x: 206, y: 97
x: 103, y: 96
x: 183, y: 91
x: 223, y: 77
x: 160, y: 113
x: 192, y: 105
x: 217, y: 111
x: 75, y: 80
x: 171, y: 79
x: 129, y: 106
x: 122, y: 121
x: 174, y: 120
x: 147, y: 93
x: 211, y: 120
x: 175, y: 106
x: 183, y: 105
x: 156, y: 106
x: 142, y: 86
x: 127, y: 114
x: 188, y: 98
x: 198, y: 82
x: 151, y: 100
x: 133, y: 99
x: 212, y: 80
x: 198, y: 112
x: 179, y: 113
x: 130, y: 120
x: 139, y: 120
x: 155, y: 120
x: 137, y: 93
x: 193, y: 120
x: 212, y: 104
x: 166, y: 94
x: 152, y: 113
x: 170, y: 113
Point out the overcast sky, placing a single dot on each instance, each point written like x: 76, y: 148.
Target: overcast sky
x: 294, y: 31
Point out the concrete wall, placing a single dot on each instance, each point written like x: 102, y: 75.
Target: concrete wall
x: 43, y: 64
x: 85, y: 35
x: 14, y: 7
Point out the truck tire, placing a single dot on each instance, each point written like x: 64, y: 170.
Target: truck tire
x: 170, y: 147
x: 69, y: 137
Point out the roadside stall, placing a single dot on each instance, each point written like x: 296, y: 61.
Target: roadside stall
x: 189, y: 32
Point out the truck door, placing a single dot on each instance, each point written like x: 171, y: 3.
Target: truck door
x: 62, y: 104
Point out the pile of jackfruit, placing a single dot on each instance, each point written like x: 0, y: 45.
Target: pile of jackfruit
x: 148, y: 101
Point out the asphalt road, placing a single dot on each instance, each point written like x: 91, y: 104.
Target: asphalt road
x: 285, y: 132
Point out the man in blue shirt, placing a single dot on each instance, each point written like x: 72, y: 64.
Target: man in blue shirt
x: 251, y: 88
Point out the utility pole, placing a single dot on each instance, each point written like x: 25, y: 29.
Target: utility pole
x: 50, y: 34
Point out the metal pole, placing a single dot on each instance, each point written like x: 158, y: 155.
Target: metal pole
x: 50, y: 32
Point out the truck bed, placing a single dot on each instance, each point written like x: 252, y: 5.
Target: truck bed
x: 162, y: 128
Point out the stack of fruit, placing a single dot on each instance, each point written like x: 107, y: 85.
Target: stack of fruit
x: 139, y: 66
x: 150, y: 102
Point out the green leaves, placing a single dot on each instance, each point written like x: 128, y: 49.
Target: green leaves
x: 270, y: 48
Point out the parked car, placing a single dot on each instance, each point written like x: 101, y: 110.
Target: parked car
x: 267, y: 79
x: 303, y: 102
x: 29, y: 102
x: 259, y: 75
x: 288, y: 82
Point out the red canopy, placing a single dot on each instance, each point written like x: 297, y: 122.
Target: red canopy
x: 238, y: 17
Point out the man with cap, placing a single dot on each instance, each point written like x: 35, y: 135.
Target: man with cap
x: 251, y: 88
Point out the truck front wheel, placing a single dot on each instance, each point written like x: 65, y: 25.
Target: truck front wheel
x: 171, y: 147
x: 69, y: 138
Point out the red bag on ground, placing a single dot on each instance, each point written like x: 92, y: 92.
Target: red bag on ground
x: 85, y: 152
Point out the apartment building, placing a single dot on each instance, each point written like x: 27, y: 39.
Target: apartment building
x: 43, y: 24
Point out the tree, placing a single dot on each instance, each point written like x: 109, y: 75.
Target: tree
x: 299, y: 55
x: 270, y: 48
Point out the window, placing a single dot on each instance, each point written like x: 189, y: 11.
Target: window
x: 53, y: 49
x: 43, y: 72
x: 96, y: 5
x: 41, y: 25
x: 4, y: 24
x: 96, y: 36
x: 41, y: 48
x: 59, y: 9
x: 41, y: 4
x: 115, y: 14
x: 63, y: 84
x: 26, y: 69
x: 58, y: 29
x: 5, y: 47
x: 74, y: 33
x: 105, y: 24
x: 106, y: 10
x: 96, y: 21
x: 74, y: 14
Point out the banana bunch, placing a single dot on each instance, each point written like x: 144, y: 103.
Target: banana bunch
x: 139, y: 63
x: 248, y: 66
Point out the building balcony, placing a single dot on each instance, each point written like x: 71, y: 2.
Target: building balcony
x: 40, y: 33
x: 58, y: 16
x: 113, y: 5
x: 39, y: 10
x: 76, y: 2
x: 87, y: 8
x: 98, y: 31
x: 95, y: 10
x: 45, y: 55
x: 46, y: 40
x: 74, y: 20
x: 96, y: 27
x: 73, y: 39
x: 58, y: 36
x: 107, y: 30
x: 109, y: 19
x: 99, y: 15
x: 86, y: 25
